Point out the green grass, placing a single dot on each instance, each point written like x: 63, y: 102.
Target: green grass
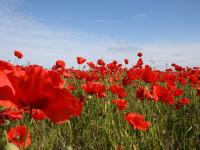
x: 101, y: 126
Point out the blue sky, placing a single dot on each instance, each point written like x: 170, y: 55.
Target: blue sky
x: 165, y: 31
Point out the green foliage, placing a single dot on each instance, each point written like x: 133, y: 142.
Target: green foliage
x: 101, y: 126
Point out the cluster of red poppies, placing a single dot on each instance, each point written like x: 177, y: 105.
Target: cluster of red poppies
x: 47, y: 93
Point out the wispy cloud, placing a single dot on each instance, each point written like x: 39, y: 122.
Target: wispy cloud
x: 44, y: 44
x: 140, y: 17
x: 123, y: 46
x: 91, y: 20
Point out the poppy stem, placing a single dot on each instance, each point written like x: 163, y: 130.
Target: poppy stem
x: 27, y: 128
x: 70, y: 128
x: 7, y: 142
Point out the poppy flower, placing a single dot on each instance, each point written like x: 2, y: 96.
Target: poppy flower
x: 60, y: 64
x: 126, y: 81
x: 80, y: 60
x: 18, y: 54
x: 137, y: 121
x: 148, y: 75
x: 66, y: 75
x: 182, y: 80
x: 139, y: 54
x: 175, y: 90
x: 17, y: 135
x: 119, y: 147
x: 139, y: 63
x: 101, y: 62
x: 118, y: 90
x: 43, y: 89
x: 181, y: 102
x: 7, y: 90
x: 11, y: 115
x: 120, y: 103
x: 8, y: 104
x: 97, y: 88
x: 70, y: 87
x: 112, y: 66
x: 134, y: 74
x: 91, y: 65
x: 198, y: 91
x: 143, y: 93
x: 36, y: 114
x: 162, y: 93
x: 126, y: 61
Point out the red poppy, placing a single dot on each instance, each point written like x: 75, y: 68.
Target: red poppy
x: 139, y: 63
x: 112, y: 66
x: 66, y: 75
x: 7, y: 90
x: 91, y: 65
x: 181, y: 102
x: 143, y: 93
x: 148, y: 75
x: 18, y: 54
x: 10, y: 115
x: 70, y: 87
x: 119, y: 147
x: 126, y: 61
x: 173, y: 64
x: 17, y: 135
x: 134, y: 74
x: 182, y: 80
x: 43, y: 89
x: 97, y: 88
x: 37, y: 114
x: 139, y: 54
x: 126, y: 81
x: 60, y: 64
x: 137, y: 121
x: 101, y: 62
x: 175, y: 90
x: 120, y: 103
x: 162, y: 93
x: 118, y: 90
x: 80, y: 60
x: 198, y: 91
x: 8, y: 104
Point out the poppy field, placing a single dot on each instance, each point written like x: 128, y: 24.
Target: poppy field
x: 100, y: 106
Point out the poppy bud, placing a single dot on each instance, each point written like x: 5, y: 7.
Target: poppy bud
x: 18, y: 54
x: 139, y: 54
x: 11, y: 146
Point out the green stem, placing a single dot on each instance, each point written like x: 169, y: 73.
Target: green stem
x: 70, y: 128
x: 27, y: 128
x: 7, y: 142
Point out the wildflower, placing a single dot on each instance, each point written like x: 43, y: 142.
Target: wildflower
x: 80, y: 60
x: 60, y: 64
x: 139, y: 54
x: 181, y: 102
x: 18, y: 54
x: 126, y: 61
x: 137, y: 121
x: 17, y: 135
x: 38, y: 88
x: 120, y: 103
